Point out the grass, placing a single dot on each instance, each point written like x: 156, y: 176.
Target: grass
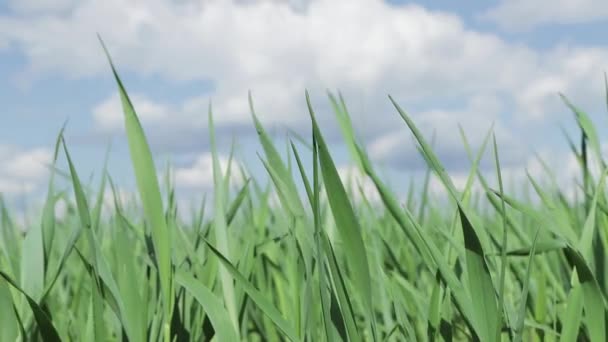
x: 328, y: 264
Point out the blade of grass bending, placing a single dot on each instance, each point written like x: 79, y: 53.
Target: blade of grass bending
x: 147, y: 184
x: 220, y: 226
x: 548, y: 222
x: 284, y: 184
x: 274, y: 160
x: 425, y: 194
x: 587, y: 127
x: 48, y: 212
x: 302, y: 173
x: 431, y: 256
x: 299, y: 138
x: 228, y: 171
x: 346, y: 126
x: 48, y: 332
x: 212, y: 306
x: 53, y: 276
x: 480, y: 281
x: 540, y: 248
x: 85, y: 219
x: 236, y: 203
x: 100, y: 193
x: 346, y: 222
x: 256, y: 296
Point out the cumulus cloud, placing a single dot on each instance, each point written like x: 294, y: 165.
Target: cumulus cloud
x: 357, y: 184
x: 277, y: 50
x: 442, y: 129
x: 108, y: 115
x: 428, y: 60
x: 41, y: 6
x: 22, y: 170
x: 519, y: 15
x: 199, y: 174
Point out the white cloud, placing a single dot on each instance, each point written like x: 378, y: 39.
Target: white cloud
x: 577, y: 72
x: 519, y: 15
x: 199, y: 175
x: 276, y: 50
x: 425, y: 59
x: 37, y: 6
x: 358, y: 184
x: 22, y: 170
x: 479, y: 115
x: 564, y: 168
x: 108, y: 115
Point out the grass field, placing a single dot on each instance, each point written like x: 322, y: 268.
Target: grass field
x: 319, y: 265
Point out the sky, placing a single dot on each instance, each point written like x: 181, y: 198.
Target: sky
x: 478, y: 64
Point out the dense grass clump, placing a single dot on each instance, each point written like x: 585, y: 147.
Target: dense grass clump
x: 317, y: 266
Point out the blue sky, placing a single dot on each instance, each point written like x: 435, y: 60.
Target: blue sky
x: 447, y: 62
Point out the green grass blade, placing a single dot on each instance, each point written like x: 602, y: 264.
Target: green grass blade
x: 573, y: 315
x: 346, y: 126
x: 348, y: 225
x: 8, y: 315
x: 587, y: 127
x: 303, y: 174
x: 585, y: 244
x: 504, y: 244
x: 593, y: 298
x: 221, y: 227
x: 479, y: 279
x: 256, y: 296
x: 320, y: 255
x: 48, y: 332
x: 234, y: 207
x: 346, y: 315
x: 100, y: 194
x: 212, y: 305
x: 519, y: 327
x: 274, y: 160
x: 147, y: 184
